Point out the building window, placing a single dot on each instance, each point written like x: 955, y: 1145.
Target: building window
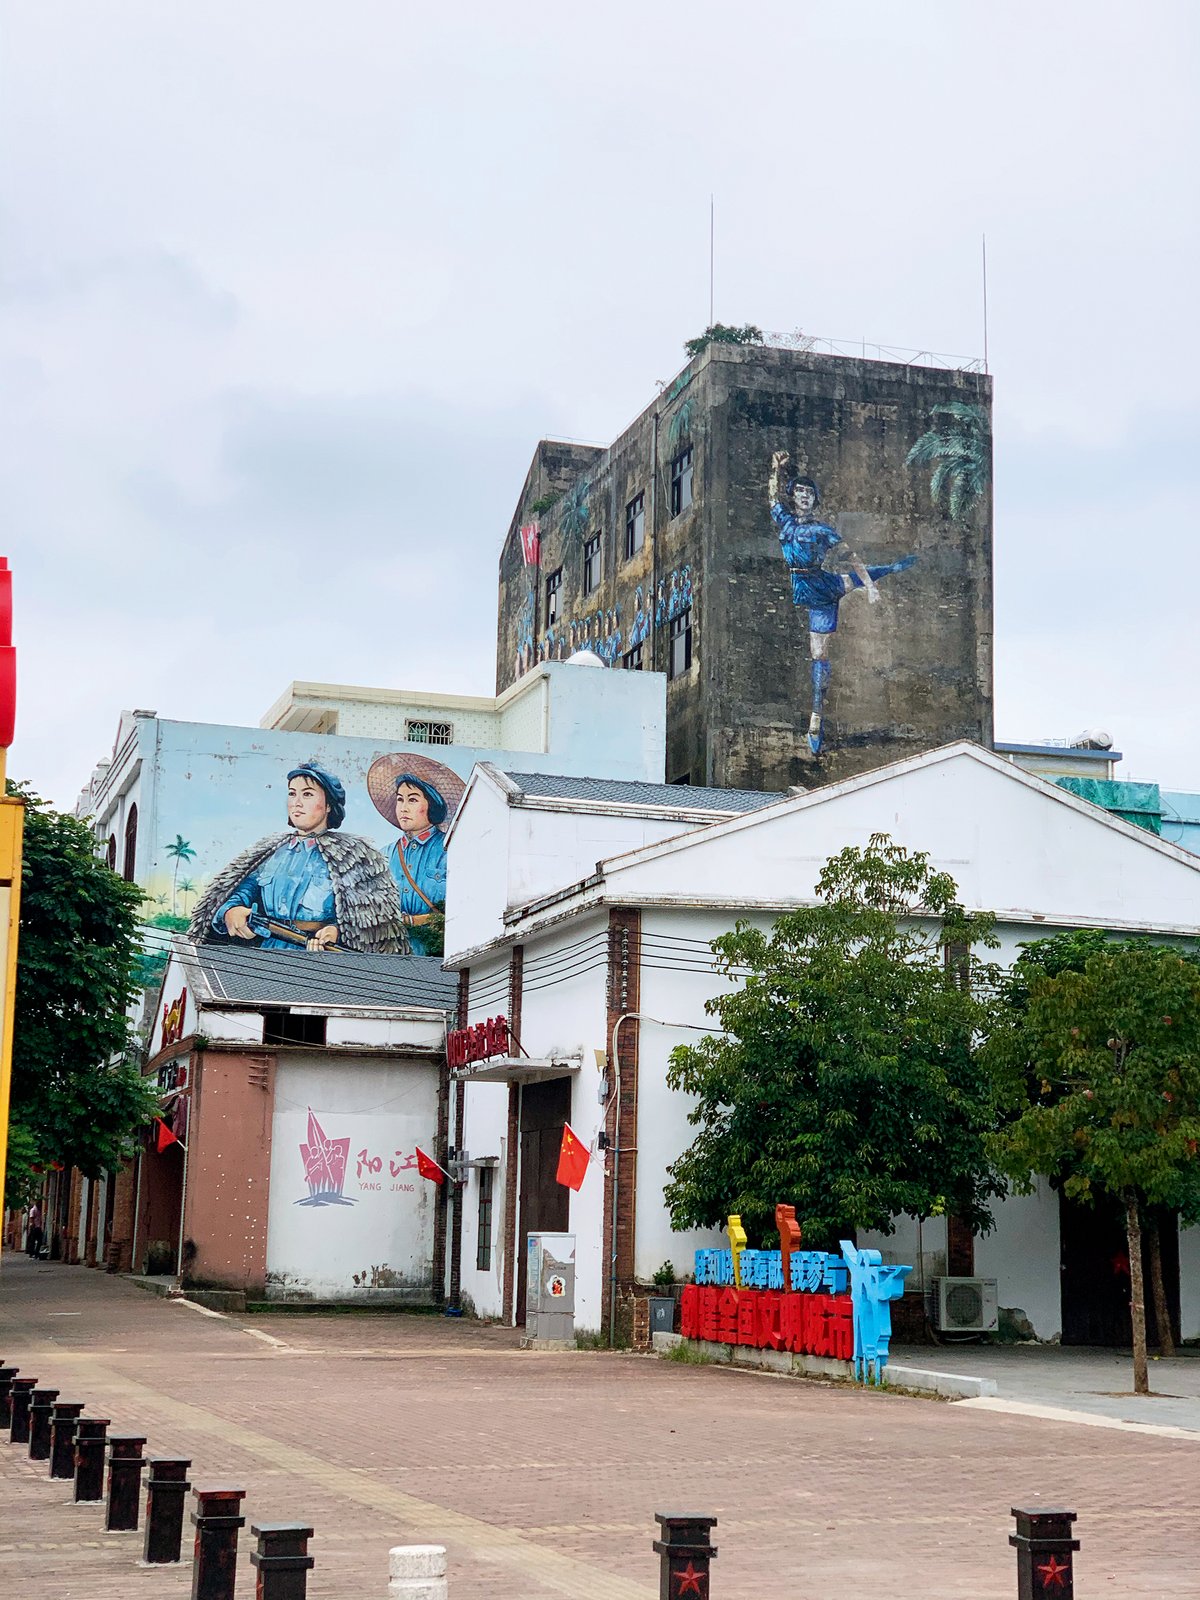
x: 111, y: 853
x: 429, y: 732
x: 293, y: 1027
x: 130, y: 843
x: 483, y: 1249
x: 553, y: 589
x: 591, y: 564
x: 635, y: 525
x: 681, y: 644
x: 632, y: 660
x: 686, y: 778
x: 681, y: 481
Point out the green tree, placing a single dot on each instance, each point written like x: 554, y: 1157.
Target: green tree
x: 1109, y: 1058
x: 846, y: 1079
x: 182, y: 851
x: 77, y: 1093
x: 959, y: 442
x: 723, y: 333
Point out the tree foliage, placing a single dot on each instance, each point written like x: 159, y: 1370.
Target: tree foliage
x: 77, y: 1094
x: 959, y: 442
x: 1110, y: 1058
x: 723, y: 333
x: 846, y: 1080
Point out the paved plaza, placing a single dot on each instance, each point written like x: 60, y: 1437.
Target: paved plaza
x: 542, y: 1473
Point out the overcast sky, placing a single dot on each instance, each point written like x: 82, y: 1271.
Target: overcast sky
x: 289, y: 292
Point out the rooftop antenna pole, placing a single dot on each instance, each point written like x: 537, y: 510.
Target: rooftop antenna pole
x: 712, y: 236
x: 985, y: 319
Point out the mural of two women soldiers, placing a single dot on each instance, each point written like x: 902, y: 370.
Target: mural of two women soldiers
x: 313, y: 887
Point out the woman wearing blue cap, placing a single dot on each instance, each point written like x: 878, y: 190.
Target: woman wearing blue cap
x: 417, y: 860
x: 314, y: 888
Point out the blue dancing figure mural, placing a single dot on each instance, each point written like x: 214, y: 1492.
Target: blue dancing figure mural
x: 806, y: 542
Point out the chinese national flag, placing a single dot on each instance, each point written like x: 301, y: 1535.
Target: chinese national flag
x: 531, y: 543
x: 572, y: 1159
x: 428, y: 1167
x: 165, y: 1136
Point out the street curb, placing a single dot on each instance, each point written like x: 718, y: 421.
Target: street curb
x: 947, y: 1385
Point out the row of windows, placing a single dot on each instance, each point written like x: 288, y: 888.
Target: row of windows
x: 635, y: 533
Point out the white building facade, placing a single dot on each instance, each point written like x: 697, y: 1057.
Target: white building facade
x: 588, y: 923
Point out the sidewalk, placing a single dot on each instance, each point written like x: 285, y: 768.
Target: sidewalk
x: 542, y: 1473
x: 1091, y: 1383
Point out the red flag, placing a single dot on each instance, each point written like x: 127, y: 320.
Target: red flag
x: 531, y: 543
x: 428, y: 1167
x: 573, y: 1159
x: 165, y: 1135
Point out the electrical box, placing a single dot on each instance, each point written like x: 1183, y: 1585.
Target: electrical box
x: 550, y: 1288
x: 662, y: 1313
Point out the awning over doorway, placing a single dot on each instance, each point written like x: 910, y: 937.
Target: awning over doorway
x: 516, y: 1069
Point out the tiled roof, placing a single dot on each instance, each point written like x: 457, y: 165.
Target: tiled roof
x: 619, y: 792
x: 320, y: 978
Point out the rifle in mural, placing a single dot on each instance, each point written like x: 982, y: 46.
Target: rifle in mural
x: 268, y: 928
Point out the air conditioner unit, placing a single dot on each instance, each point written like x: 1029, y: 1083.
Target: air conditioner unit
x: 965, y: 1305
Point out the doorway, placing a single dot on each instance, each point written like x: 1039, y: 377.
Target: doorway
x: 1094, y: 1266
x: 544, y: 1202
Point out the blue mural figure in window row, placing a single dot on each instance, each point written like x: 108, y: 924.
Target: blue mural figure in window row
x: 806, y: 543
x: 674, y: 596
x: 313, y: 888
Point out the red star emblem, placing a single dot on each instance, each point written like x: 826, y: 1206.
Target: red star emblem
x: 1055, y: 1572
x: 690, y: 1581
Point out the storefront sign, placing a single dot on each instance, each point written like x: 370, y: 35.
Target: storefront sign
x: 477, y: 1043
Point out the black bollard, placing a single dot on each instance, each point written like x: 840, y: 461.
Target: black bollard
x: 41, y: 1403
x: 7, y: 1374
x: 217, y: 1519
x: 166, y: 1489
x: 124, y: 1481
x: 90, y: 1443
x: 64, y: 1419
x: 685, y: 1551
x: 1044, y: 1547
x: 22, y: 1389
x: 282, y: 1560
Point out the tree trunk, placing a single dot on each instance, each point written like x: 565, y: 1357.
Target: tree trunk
x: 1137, y: 1295
x: 1166, y: 1335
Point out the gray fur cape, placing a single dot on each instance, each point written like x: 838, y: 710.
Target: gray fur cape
x: 365, y: 896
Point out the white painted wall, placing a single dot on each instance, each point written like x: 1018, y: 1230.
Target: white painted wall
x: 379, y: 1244
x: 1189, y: 1283
x: 1022, y: 1253
x: 423, y: 1030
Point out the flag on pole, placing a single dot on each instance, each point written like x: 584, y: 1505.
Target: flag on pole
x: 573, y: 1159
x: 428, y: 1167
x: 165, y: 1136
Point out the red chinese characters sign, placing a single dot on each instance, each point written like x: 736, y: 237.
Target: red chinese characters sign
x: 807, y: 1324
x: 477, y: 1043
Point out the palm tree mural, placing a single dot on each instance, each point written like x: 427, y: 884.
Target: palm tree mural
x: 182, y: 851
x: 573, y: 519
x: 187, y: 887
x: 958, y: 440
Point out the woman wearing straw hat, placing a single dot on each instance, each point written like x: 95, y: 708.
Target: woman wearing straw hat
x: 419, y: 796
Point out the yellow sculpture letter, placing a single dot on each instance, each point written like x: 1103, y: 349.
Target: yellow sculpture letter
x: 737, y: 1243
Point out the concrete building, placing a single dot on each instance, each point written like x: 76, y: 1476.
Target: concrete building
x: 685, y: 547
x: 296, y: 1087
x: 589, y: 927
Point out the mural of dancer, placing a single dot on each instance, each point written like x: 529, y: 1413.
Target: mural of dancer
x: 806, y: 542
x: 419, y: 796
x: 310, y: 888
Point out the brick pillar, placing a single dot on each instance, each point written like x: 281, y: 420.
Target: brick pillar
x: 120, y: 1251
x: 516, y: 970
x: 70, y: 1244
x: 93, y: 1221
x: 624, y: 998
x: 960, y: 1249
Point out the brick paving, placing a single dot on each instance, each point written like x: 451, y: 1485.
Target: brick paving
x: 541, y: 1473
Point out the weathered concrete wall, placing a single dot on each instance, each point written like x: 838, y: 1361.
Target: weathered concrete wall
x: 910, y: 672
x: 229, y: 1166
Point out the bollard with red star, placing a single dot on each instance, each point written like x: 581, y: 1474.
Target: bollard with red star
x: 685, y: 1551
x: 1044, y: 1548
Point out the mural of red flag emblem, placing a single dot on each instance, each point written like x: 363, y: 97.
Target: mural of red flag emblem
x: 572, y: 1159
x: 428, y: 1167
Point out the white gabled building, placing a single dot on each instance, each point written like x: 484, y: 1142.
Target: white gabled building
x: 583, y: 911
